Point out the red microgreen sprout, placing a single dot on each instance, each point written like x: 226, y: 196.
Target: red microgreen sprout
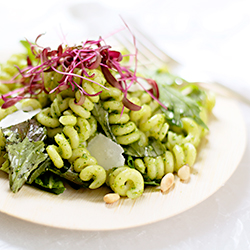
x: 90, y: 55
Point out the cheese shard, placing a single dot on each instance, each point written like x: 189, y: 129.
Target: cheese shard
x: 17, y: 117
x: 138, y: 85
x: 107, y: 153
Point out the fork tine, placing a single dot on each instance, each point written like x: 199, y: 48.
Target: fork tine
x: 142, y: 59
x: 149, y: 55
x: 151, y: 50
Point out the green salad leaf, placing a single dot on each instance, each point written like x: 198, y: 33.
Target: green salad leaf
x: 24, y: 157
x: 41, y: 169
x: 153, y: 149
x: 24, y: 151
x: 147, y: 181
x: 31, y: 129
x: 69, y: 175
x: 195, y: 93
x: 49, y: 182
x: 27, y: 46
x: 178, y: 106
x: 102, y: 116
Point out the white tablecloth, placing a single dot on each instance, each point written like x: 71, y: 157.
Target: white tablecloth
x: 208, y: 35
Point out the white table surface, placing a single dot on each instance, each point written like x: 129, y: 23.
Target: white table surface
x: 209, y: 35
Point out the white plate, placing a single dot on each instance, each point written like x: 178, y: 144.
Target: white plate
x: 218, y: 157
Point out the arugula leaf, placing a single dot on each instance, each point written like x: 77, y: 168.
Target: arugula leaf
x: 147, y: 181
x: 24, y: 157
x: 178, y: 106
x: 26, y: 45
x: 195, y: 93
x: 49, y: 182
x: 152, y: 182
x: 130, y: 162
x: 69, y: 175
x: 31, y: 129
x: 153, y: 149
x: 102, y: 116
x: 25, y: 151
x: 163, y: 76
x: 41, y: 169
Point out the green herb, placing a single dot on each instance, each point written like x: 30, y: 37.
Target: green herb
x: 153, y: 149
x: 49, y: 182
x: 31, y: 129
x: 195, y: 93
x: 151, y: 183
x: 102, y: 116
x: 41, y: 169
x: 24, y: 152
x: 69, y: 175
x: 26, y: 45
x: 24, y: 157
x: 130, y: 161
x: 178, y: 106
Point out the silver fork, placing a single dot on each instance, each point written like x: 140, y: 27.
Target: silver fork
x: 149, y: 55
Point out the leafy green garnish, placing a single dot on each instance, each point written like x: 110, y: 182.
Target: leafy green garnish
x: 102, y: 116
x: 195, y: 93
x: 69, y: 175
x: 25, y: 151
x: 131, y: 163
x: 49, y: 182
x: 24, y: 157
x: 151, y: 182
x: 31, y: 129
x: 41, y: 169
x: 153, y: 149
x: 27, y: 46
x: 178, y: 106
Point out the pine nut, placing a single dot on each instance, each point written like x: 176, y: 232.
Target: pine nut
x: 166, y: 182
x: 184, y: 173
x: 111, y: 198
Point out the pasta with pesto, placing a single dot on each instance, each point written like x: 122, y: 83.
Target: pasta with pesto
x: 122, y: 127
x: 82, y: 92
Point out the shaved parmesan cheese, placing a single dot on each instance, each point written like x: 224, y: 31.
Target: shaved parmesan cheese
x: 138, y: 86
x: 107, y: 153
x: 17, y: 117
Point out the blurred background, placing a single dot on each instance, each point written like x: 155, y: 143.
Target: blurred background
x: 209, y: 36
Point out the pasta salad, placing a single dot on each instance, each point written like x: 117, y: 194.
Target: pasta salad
x: 80, y: 115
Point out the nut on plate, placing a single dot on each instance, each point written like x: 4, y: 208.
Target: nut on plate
x: 111, y: 198
x: 167, y: 182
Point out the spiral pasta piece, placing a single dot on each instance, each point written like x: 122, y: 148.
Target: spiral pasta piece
x: 30, y: 104
x: 9, y: 70
x: 91, y: 87
x: 185, y: 154
x: 74, y: 134
x: 154, y: 125
x: 190, y: 133
x: 95, y: 172
x: 2, y: 141
x: 126, y: 131
x: 49, y: 116
x: 3, y: 90
x: 7, y: 111
x: 156, y: 167
x: 87, y: 167
x: 126, y: 182
x: 171, y: 161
